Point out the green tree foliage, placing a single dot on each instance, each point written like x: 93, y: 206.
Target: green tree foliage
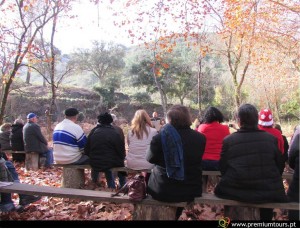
x: 140, y: 97
x: 103, y: 60
x: 107, y: 95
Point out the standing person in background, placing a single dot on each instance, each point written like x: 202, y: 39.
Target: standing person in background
x: 155, y: 121
x: 16, y: 140
x: 293, y: 191
x: 251, y: 164
x: 176, y: 151
x: 285, y: 142
x: 34, y: 140
x: 215, y: 132
x: 138, y: 139
x: 106, y: 150
x: 265, y: 123
x: 69, y: 140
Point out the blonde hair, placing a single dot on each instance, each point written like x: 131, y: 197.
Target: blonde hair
x: 139, y: 123
x: 5, y: 126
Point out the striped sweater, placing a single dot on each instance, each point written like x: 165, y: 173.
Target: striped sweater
x: 68, y: 142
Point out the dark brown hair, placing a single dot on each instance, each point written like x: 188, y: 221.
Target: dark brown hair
x: 179, y: 116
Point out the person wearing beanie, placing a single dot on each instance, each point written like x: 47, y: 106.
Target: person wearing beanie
x: 34, y: 140
x: 69, y: 140
x: 265, y: 122
x: 251, y: 164
x: 106, y: 149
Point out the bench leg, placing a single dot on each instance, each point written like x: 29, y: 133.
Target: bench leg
x: 32, y: 161
x: 241, y: 213
x: 151, y: 212
x: 73, y: 178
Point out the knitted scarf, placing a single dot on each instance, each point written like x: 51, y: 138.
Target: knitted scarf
x: 173, y: 152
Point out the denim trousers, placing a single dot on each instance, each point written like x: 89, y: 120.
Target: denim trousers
x: 49, y: 157
x: 110, y: 180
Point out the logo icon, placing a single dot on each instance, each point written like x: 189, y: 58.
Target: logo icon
x: 224, y: 222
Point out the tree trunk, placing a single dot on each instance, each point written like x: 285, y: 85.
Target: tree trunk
x: 28, y: 76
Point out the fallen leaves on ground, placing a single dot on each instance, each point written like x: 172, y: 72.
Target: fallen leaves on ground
x: 65, y: 209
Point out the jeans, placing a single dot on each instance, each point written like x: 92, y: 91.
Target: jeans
x: 49, y: 157
x: 110, y: 178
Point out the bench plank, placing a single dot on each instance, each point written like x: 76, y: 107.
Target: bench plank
x: 207, y: 198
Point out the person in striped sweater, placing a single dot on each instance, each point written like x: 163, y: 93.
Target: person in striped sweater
x: 69, y: 140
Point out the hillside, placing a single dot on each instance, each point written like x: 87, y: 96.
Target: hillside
x: 37, y: 98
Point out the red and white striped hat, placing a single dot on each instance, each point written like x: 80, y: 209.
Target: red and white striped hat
x: 265, y: 117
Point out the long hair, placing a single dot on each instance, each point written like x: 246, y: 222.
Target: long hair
x: 139, y: 123
x: 179, y: 117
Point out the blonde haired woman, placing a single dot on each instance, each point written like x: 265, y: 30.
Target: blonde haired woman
x: 138, y: 139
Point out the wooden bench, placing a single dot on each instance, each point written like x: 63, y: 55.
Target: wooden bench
x: 73, y: 175
x: 150, y: 209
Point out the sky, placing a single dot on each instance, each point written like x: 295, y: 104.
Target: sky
x: 79, y: 32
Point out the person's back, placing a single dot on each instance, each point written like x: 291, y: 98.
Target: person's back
x: 265, y: 123
x: 69, y: 140
x: 34, y: 141
x: 139, y: 140
x: 16, y: 140
x: 16, y: 136
x: 214, y: 132
x: 187, y: 182
x: 285, y: 142
x: 5, y: 130
x: 293, y: 191
x: 251, y: 164
x: 106, y: 150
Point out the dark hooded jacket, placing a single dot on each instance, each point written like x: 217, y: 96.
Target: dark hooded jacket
x: 105, y: 147
x: 16, y: 137
x: 251, y: 166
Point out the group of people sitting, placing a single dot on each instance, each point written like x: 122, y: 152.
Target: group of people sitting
x: 251, y: 160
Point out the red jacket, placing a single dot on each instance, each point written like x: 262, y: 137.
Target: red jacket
x: 214, y: 133
x: 275, y: 133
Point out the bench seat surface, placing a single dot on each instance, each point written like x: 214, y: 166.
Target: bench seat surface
x: 102, y: 196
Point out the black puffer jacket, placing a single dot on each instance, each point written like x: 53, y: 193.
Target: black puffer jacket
x: 251, y: 166
x: 16, y: 137
x: 105, y: 148
x: 293, y: 191
x: 162, y: 188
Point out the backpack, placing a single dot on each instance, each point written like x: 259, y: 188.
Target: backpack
x: 135, y: 188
